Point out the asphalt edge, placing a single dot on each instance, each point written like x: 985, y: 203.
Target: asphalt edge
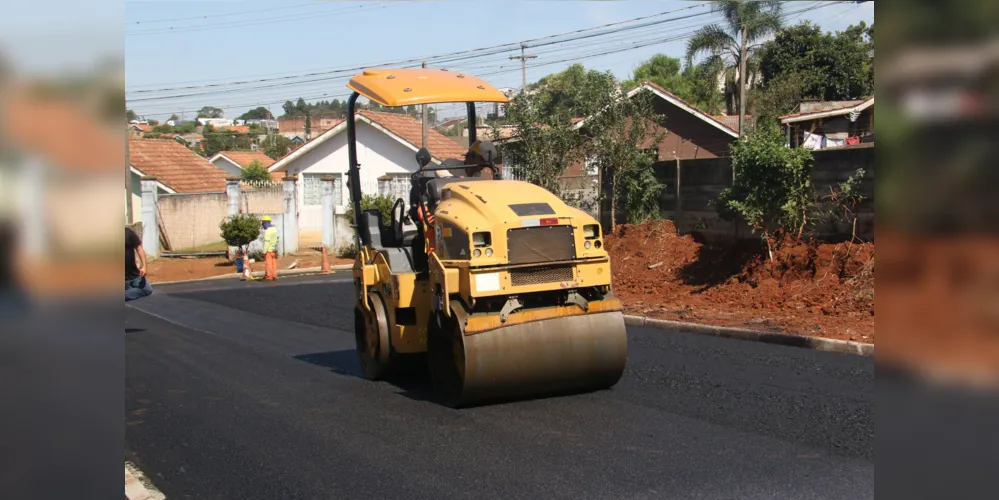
x: 138, y: 487
x: 784, y: 339
x: 258, y: 274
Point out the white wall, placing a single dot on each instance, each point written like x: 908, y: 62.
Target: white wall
x: 377, y: 153
x: 230, y: 167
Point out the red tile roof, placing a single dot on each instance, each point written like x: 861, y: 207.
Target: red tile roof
x: 60, y: 131
x: 175, y: 166
x: 410, y: 130
x: 239, y: 129
x: 245, y: 158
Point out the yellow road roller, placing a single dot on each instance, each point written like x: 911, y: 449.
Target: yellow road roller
x: 502, y: 290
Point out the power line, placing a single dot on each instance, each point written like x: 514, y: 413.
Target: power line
x: 634, y: 45
x: 228, y: 14
x: 436, y: 59
x: 248, y: 23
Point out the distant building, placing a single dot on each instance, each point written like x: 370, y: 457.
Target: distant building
x: 215, y: 122
x: 830, y: 124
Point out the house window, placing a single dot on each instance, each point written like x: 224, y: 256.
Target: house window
x: 394, y: 186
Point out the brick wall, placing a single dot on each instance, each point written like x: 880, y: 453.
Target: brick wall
x: 192, y: 220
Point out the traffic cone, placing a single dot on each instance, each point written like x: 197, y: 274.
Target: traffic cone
x: 326, y: 263
x: 246, y: 270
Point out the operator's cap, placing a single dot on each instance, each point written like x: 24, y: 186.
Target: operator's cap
x: 266, y: 218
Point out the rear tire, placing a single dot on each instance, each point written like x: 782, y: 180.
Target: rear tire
x: 371, y: 337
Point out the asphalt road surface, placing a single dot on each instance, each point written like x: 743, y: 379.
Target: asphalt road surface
x: 251, y: 390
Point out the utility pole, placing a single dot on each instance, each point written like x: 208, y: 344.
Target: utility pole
x: 424, y: 111
x: 523, y: 66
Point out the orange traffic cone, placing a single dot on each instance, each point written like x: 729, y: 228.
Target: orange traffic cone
x: 246, y: 270
x: 326, y: 263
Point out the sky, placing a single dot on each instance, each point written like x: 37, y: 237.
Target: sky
x: 170, y: 44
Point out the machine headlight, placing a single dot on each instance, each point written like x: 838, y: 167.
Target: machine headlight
x: 489, y: 252
x: 591, y: 231
x: 482, y: 239
x: 477, y: 253
x: 587, y: 244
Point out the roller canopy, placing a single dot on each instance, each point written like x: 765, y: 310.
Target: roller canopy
x: 406, y: 87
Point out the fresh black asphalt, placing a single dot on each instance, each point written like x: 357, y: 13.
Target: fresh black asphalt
x: 252, y: 390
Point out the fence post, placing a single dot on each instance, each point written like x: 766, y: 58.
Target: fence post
x: 679, y: 198
x: 290, y: 235
x: 329, y: 235
x: 150, y: 226
x: 232, y: 192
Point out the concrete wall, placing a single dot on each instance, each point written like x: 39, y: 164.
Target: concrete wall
x: 263, y: 200
x: 192, y: 220
x: 701, y: 181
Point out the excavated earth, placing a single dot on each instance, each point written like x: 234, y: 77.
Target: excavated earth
x: 820, y: 289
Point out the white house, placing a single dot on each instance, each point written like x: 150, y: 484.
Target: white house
x: 386, y: 147
x: 234, y: 162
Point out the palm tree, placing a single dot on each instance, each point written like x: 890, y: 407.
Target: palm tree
x: 747, y: 22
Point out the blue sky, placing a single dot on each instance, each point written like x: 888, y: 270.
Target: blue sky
x: 295, y: 37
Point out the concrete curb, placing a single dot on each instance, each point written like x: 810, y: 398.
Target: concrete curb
x: 258, y: 274
x: 136, y: 488
x: 817, y: 343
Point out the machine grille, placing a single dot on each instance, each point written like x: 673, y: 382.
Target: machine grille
x: 540, y: 275
x: 537, y: 245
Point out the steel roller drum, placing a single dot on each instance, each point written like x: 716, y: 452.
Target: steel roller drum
x: 563, y: 355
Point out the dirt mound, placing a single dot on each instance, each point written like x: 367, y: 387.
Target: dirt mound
x: 808, y: 288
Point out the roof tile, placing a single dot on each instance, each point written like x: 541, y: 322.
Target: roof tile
x: 176, y: 166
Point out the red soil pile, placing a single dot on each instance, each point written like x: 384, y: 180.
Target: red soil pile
x: 820, y: 289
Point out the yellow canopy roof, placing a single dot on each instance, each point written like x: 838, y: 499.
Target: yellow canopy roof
x: 406, y: 87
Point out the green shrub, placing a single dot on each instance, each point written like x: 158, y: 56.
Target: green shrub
x: 370, y: 202
x: 773, y: 189
x: 347, y: 251
x: 256, y: 172
x: 239, y: 230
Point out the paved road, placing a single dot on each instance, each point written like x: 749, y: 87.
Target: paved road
x: 252, y: 390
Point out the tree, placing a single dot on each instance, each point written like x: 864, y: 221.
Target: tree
x: 153, y: 122
x: 210, y: 112
x: 256, y: 172
x: 747, y: 21
x: 129, y: 115
x: 259, y: 113
x: 276, y: 146
x: 772, y: 190
x: 224, y: 140
x: 239, y: 230
x: 831, y: 67
x: 694, y: 84
x: 173, y: 118
x: 618, y: 135
x: 289, y: 108
x: 547, y: 144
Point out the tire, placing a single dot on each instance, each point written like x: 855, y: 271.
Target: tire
x: 371, y: 336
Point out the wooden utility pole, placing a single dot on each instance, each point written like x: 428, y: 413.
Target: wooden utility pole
x: 424, y: 111
x: 523, y: 66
